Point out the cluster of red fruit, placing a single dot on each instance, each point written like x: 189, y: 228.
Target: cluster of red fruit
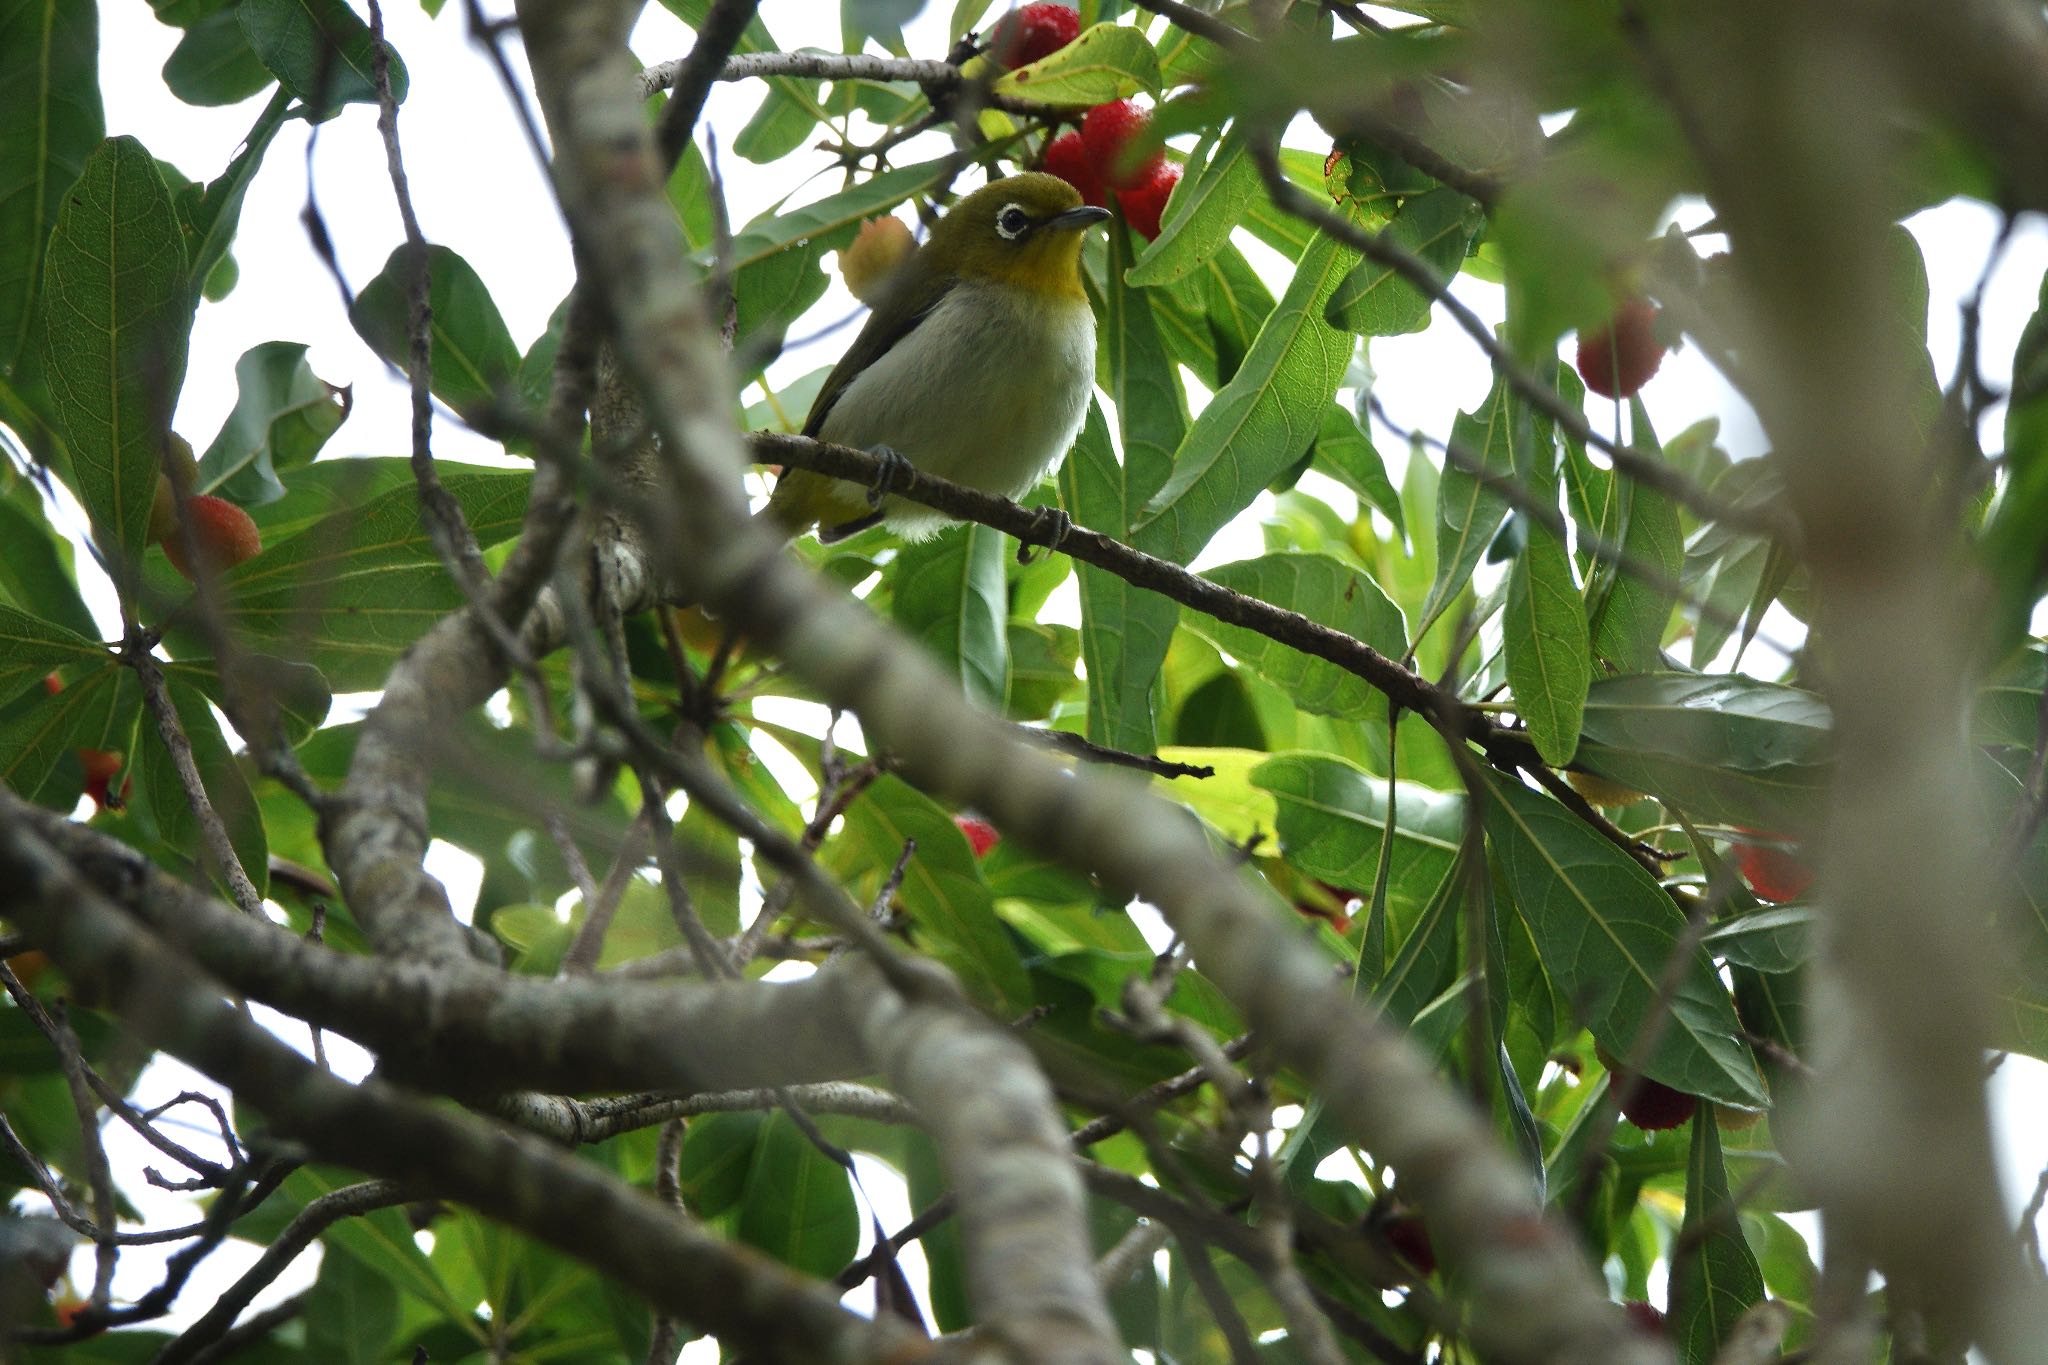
x: 223, y: 532
x: 1097, y: 162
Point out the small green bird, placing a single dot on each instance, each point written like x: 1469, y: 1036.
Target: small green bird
x: 975, y: 365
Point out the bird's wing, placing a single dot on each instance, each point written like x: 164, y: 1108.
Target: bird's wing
x: 920, y: 293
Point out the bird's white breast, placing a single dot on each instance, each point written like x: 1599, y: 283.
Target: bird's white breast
x: 988, y: 391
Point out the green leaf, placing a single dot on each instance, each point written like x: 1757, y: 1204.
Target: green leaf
x: 283, y: 414
x: 1469, y: 511
x: 351, y: 592
x: 471, y: 355
x: 1266, y: 417
x: 1325, y: 590
x: 1332, y: 819
x: 50, y: 107
x: 1544, y: 631
x: 1373, y: 300
x: 784, y: 121
x: 798, y: 1205
x: 1108, y: 62
x: 38, y: 732
x: 1202, y: 213
x: 212, y: 212
x: 1731, y: 749
x: 381, y: 1241
x: 1125, y: 630
x: 301, y: 696
x: 351, y: 1312
x: 213, y: 64
x: 116, y: 278
x: 35, y: 572
x: 1630, y: 618
x: 1606, y: 932
x: 1777, y: 939
x: 1346, y: 453
x: 951, y: 596
x: 942, y: 890
x: 1714, y: 1276
x: 320, y: 51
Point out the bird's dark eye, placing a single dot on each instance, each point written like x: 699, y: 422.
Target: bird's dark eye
x: 1012, y: 222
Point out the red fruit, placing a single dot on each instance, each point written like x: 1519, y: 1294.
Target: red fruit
x: 1645, y: 1319
x: 1145, y: 201
x: 1333, y: 905
x: 1038, y: 30
x: 224, y: 531
x: 1651, y: 1105
x: 1067, y: 158
x: 52, y: 684
x: 981, y: 835
x: 100, y: 766
x: 1107, y: 131
x: 28, y: 967
x: 1408, y: 1237
x: 1772, y: 873
x: 1618, y: 359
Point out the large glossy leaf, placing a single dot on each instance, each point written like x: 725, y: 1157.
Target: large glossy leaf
x: 1204, y: 210
x: 1544, y: 629
x: 213, y: 211
x: 951, y: 597
x: 1124, y: 630
x: 782, y: 227
x: 37, y: 730
x: 1606, y: 932
x: 471, y: 356
x: 942, y: 889
x: 798, y: 1206
x: 1108, y: 62
x: 1437, y: 227
x: 283, y: 414
x: 319, y: 50
x: 349, y: 593
x: 1730, y: 749
x: 1266, y: 417
x: 1714, y: 1277
x: 50, y: 107
x: 1332, y: 819
x: 120, y: 315
x: 1325, y: 590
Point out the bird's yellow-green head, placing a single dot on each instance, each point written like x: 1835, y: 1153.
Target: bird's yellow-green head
x: 1023, y: 230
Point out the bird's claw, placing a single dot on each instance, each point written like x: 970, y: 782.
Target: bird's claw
x: 890, y: 468
x: 1053, y: 524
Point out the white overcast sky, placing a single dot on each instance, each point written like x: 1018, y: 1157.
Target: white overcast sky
x: 477, y: 190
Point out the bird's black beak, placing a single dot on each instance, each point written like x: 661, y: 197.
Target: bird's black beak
x: 1078, y: 218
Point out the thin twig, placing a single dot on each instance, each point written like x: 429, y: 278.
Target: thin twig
x: 213, y: 833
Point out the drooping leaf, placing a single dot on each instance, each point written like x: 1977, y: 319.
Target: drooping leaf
x: 1731, y: 749
x: 1266, y: 417
x: 1606, y: 932
x: 471, y: 355
x: 1469, y: 511
x: 951, y: 597
x: 50, y: 107
x: 1125, y: 631
x: 798, y: 1206
x: 1345, y: 452
x: 214, y: 64
x: 1714, y: 1277
x: 114, y: 285
x: 35, y: 572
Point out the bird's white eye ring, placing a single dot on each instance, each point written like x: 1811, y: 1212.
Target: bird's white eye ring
x: 1013, y: 222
